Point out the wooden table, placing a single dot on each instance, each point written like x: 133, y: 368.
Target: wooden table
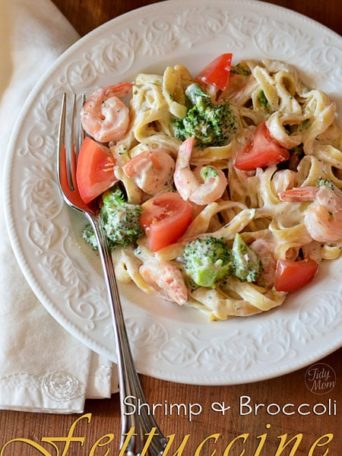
x: 86, y: 15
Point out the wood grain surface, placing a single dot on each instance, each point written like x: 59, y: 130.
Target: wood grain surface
x: 105, y: 415
x: 85, y: 15
x: 106, y: 418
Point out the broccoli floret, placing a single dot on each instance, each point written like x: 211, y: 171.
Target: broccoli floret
x: 89, y: 236
x: 113, y: 197
x: 325, y: 183
x: 211, y: 124
x: 247, y: 265
x: 120, y: 219
x: 207, y: 260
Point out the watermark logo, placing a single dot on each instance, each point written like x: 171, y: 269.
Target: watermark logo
x: 320, y: 378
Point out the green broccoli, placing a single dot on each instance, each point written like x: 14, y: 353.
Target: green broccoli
x: 207, y: 260
x: 211, y: 124
x: 89, y: 236
x: 247, y: 265
x: 325, y: 183
x: 120, y: 220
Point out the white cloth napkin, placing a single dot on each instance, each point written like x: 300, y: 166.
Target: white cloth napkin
x: 42, y: 367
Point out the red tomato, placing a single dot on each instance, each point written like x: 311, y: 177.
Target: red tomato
x: 293, y: 275
x: 262, y: 151
x: 94, y: 172
x: 217, y: 72
x: 165, y: 219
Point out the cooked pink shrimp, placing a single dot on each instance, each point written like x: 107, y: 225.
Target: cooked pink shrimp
x: 264, y: 249
x: 104, y: 115
x: 299, y: 194
x: 202, y: 186
x: 323, y: 218
x: 151, y: 170
x: 166, y: 278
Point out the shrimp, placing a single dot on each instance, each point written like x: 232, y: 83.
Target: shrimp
x: 104, y: 116
x: 151, y: 170
x: 265, y: 251
x: 188, y: 182
x: 298, y: 194
x: 165, y: 277
x: 323, y: 218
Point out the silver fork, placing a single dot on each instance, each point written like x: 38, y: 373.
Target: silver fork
x: 129, y: 383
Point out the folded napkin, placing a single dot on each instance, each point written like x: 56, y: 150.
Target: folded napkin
x: 42, y: 367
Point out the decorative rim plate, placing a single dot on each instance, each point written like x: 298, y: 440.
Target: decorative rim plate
x: 169, y: 342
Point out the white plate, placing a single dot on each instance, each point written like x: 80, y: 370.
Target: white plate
x: 169, y: 342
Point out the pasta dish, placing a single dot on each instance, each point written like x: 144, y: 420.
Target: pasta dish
x: 222, y: 190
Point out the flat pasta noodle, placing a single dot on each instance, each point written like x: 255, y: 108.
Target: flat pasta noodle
x: 237, y: 224
x: 328, y: 154
x: 289, y: 238
x: 255, y: 296
x: 201, y: 222
x: 276, y: 126
x: 171, y: 252
x: 330, y: 174
x: 319, y: 125
x: 173, y: 90
x: 331, y: 251
x: 220, y: 307
x: 267, y: 84
x: 212, y: 155
x: 127, y: 269
x: 286, y: 87
x: 309, y: 171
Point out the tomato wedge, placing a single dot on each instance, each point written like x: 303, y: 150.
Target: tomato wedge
x: 292, y: 275
x: 95, y: 170
x: 262, y: 151
x: 217, y: 72
x: 165, y: 219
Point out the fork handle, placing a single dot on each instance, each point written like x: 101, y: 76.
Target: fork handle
x: 129, y: 383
